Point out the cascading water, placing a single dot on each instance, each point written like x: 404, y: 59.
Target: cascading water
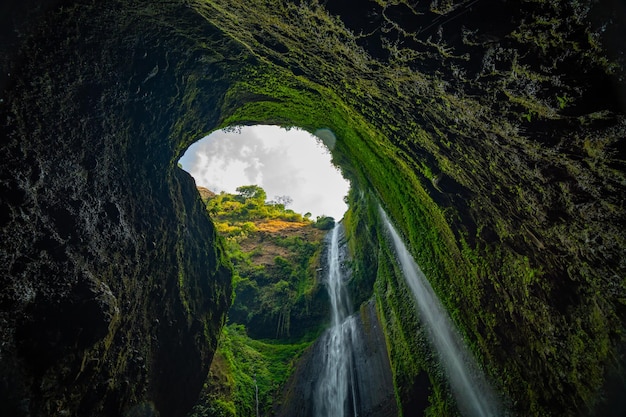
x: 335, y: 394
x: 472, y: 392
x: 256, y: 396
x: 346, y: 372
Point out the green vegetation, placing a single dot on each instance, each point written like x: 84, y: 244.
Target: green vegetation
x: 324, y: 223
x: 409, y: 349
x: 230, y: 210
x: 275, y: 254
x: 279, y: 306
x: 504, y: 180
x: 242, y: 366
x: 495, y: 145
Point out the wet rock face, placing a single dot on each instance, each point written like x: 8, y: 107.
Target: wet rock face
x: 373, y: 378
x: 113, y: 290
x: 373, y: 383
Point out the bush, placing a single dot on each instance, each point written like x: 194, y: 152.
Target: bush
x: 221, y: 408
x: 324, y: 223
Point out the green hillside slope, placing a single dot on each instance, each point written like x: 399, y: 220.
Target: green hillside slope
x: 279, y: 304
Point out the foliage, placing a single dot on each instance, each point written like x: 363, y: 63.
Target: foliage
x: 490, y: 154
x: 361, y: 225
x: 274, y: 252
x: 324, y: 223
x: 251, y: 193
x: 278, y: 298
x: 245, y: 365
x: 233, y: 213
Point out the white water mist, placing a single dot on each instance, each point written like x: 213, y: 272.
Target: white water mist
x: 335, y: 393
x: 473, y: 394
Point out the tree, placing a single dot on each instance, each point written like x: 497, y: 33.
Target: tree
x: 254, y: 192
x: 285, y: 200
x: 324, y: 222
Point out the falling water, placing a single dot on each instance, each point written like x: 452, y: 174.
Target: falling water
x: 256, y: 396
x: 335, y: 391
x: 471, y: 390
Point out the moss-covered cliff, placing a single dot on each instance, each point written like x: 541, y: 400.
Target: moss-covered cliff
x: 114, y: 286
x: 276, y: 255
x: 481, y: 132
x: 492, y: 133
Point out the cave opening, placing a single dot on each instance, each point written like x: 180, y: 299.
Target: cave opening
x: 273, y: 194
x: 292, y: 166
x: 496, y: 149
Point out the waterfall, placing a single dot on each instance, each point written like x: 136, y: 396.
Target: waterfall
x: 346, y: 372
x: 472, y: 392
x: 335, y: 394
x: 256, y: 396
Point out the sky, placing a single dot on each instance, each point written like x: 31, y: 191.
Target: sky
x: 290, y: 163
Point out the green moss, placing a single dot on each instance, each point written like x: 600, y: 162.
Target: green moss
x: 245, y: 365
x: 481, y: 234
x: 489, y: 150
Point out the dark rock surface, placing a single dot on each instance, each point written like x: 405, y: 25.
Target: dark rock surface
x: 373, y: 372
x: 370, y: 367
x: 113, y: 290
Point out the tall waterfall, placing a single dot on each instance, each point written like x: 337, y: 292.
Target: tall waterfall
x: 473, y: 394
x: 335, y: 392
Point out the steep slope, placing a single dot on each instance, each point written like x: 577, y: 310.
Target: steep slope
x: 279, y: 307
x: 276, y: 257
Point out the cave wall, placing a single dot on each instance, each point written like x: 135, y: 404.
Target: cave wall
x: 493, y: 135
x: 114, y: 285
x: 370, y: 367
x: 492, y: 132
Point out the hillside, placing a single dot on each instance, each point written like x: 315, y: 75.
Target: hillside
x: 279, y: 304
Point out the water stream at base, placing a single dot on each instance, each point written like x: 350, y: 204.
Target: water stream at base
x: 473, y: 394
x: 335, y: 394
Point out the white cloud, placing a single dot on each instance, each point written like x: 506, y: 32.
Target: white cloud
x: 282, y: 162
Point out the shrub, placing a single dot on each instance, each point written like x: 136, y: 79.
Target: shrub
x: 324, y: 223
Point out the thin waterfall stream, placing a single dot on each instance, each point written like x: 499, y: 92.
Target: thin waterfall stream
x: 473, y: 394
x: 256, y: 396
x: 335, y: 391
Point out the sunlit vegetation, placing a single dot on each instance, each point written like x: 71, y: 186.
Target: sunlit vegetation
x: 240, y: 209
x: 279, y: 306
x: 503, y: 179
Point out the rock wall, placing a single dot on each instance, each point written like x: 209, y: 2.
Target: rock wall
x: 492, y: 133
x: 113, y: 286
x: 373, y: 380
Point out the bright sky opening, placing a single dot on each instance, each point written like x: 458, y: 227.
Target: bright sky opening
x: 283, y: 162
